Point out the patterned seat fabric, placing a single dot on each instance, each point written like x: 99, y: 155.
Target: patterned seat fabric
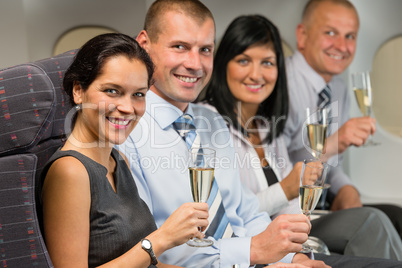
x: 33, y: 109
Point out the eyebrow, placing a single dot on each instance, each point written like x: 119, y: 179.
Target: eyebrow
x: 210, y: 44
x: 181, y: 42
x: 113, y: 85
x: 110, y: 85
x: 244, y: 54
x: 328, y: 27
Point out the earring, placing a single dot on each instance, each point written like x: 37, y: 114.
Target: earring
x: 77, y: 107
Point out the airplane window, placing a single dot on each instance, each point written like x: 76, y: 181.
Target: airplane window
x: 387, y: 83
x: 76, y: 37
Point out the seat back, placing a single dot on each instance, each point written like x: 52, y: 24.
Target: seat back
x: 33, y: 108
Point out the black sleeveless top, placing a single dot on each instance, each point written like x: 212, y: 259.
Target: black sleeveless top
x: 118, y: 220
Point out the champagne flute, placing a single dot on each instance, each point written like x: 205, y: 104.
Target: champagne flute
x: 362, y: 88
x: 201, y: 168
x: 317, y: 124
x: 312, y: 181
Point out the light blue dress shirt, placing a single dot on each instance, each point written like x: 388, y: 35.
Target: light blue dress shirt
x: 304, y: 85
x: 157, y: 156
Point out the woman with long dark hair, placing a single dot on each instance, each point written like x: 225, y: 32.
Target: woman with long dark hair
x: 93, y: 214
x: 248, y: 87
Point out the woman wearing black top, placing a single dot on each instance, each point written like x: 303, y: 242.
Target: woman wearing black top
x: 93, y: 214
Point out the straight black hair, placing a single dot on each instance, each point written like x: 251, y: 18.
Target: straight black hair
x: 243, y: 32
x: 91, y: 58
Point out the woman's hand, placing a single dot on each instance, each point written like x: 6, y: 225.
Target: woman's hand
x: 291, y: 183
x: 184, y: 224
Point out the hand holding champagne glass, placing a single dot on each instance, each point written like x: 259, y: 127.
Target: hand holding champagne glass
x: 317, y: 124
x: 362, y: 88
x: 312, y: 180
x: 201, y: 168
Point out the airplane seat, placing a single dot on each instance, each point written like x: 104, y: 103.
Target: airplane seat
x: 33, y: 108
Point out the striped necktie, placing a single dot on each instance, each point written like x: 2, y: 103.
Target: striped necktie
x: 219, y: 226
x: 324, y: 100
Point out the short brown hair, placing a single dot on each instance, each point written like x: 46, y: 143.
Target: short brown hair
x: 192, y: 8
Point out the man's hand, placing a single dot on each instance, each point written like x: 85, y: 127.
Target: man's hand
x: 354, y: 132
x: 300, y: 258
x: 347, y: 197
x: 283, y: 235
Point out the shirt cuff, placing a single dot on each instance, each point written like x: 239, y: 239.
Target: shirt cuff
x: 288, y: 258
x: 235, y: 251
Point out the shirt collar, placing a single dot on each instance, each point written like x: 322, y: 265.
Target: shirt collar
x: 163, y: 112
x: 309, y: 73
x: 263, y: 130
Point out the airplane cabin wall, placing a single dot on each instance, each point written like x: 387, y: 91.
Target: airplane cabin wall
x: 13, y: 44
x: 376, y: 170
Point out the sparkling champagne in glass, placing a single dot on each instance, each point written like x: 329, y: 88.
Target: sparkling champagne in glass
x: 317, y: 124
x: 312, y: 181
x: 201, y: 169
x: 361, y: 83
